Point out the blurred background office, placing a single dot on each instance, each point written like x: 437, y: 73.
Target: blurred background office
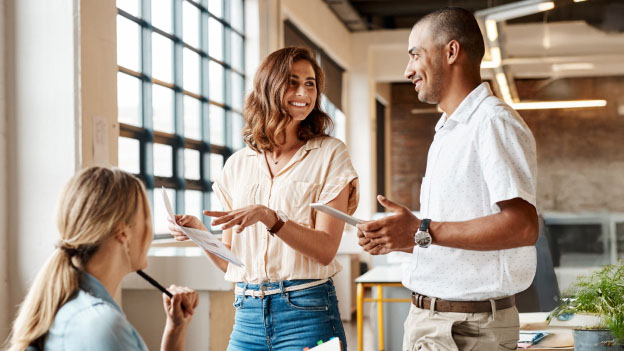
x: 156, y: 87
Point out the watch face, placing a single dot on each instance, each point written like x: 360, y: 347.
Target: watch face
x: 282, y: 216
x: 422, y: 239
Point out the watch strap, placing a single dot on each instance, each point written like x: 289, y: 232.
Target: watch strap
x: 277, y: 226
x: 424, y: 225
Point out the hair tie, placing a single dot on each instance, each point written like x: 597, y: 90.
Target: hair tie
x: 71, y: 252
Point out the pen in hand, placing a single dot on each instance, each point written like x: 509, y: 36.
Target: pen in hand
x: 154, y: 283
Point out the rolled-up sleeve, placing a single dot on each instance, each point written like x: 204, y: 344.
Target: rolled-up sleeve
x: 340, y: 174
x: 508, y: 159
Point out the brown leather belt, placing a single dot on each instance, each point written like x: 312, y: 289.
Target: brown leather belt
x: 424, y: 302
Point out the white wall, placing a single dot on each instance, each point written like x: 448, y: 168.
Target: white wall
x: 4, y: 284
x: 41, y: 131
x: 380, y: 57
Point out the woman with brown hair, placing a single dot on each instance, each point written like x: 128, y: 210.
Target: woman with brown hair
x: 105, y: 226
x: 284, y: 295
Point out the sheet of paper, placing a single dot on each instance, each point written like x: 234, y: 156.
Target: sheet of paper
x: 331, y: 345
x: 202, y: 238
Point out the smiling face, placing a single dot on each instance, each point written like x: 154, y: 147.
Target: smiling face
x: 425, y: 69
x: 300, y: 96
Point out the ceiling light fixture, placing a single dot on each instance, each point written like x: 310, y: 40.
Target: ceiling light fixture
x: 541, y: 105
x: 495, y: 54
x: 504, y: 87
x: 577, y: 66
x: 518, y: 9
x: 491, y: 29
x: 514, y: 10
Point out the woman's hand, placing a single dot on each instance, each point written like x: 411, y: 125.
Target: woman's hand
x: 180, y: 307
x: 184, y: 221
x: 243, y: 217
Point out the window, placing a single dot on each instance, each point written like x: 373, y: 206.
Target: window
x: 180, y: 91
x: 340, y: 120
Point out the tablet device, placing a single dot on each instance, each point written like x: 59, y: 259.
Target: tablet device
x: 335, y: 213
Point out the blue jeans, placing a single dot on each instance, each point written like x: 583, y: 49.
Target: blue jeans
x: 288, y: 321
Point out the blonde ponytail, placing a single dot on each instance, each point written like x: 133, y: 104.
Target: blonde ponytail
x: 54, y: 285
x: 93, y: 203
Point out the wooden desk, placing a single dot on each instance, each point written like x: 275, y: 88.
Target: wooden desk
x: 378, y: 277
x: 558, y: 336
x: 560, y: 333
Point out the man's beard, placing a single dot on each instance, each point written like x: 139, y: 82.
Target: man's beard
x: 432, y: 92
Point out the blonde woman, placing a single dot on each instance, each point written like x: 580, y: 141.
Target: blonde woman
x: 105, y: 228
x: 284, y: 296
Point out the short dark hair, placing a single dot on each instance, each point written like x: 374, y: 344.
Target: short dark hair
x: 455, y: 23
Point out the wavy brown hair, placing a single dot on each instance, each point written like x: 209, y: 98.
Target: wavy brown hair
x: 265, y: 114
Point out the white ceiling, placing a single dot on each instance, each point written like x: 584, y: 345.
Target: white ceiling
x: 523, y: 49
x: 531, y: 49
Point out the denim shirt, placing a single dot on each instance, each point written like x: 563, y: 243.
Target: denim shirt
x: 92, y: 321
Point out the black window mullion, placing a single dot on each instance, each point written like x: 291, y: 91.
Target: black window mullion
x: 147, y: 150
x: 204, y: 156
x: 178, y: 110
x: 227, y: 79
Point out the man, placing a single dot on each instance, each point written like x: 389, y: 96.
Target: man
x: 477, y: 200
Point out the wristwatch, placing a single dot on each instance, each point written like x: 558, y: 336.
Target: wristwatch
x: 281, y: 220
x: 422, y: 238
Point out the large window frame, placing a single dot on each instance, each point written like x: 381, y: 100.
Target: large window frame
x: 233, y: 78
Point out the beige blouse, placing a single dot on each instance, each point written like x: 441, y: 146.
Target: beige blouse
x: 317, y: 172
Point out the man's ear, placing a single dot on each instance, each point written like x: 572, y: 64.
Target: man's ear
x: 452, y: 51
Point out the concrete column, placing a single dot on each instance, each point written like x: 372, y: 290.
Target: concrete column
x: 96, y: 39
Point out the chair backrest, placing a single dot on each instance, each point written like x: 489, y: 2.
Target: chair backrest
x: 543, y: 295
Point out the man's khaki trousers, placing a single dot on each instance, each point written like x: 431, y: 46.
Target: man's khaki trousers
x: 450, y: 331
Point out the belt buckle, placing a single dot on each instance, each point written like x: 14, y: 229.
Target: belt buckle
x: 261, y: 290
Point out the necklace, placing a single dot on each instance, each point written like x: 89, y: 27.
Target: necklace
x: 270, y: 157
x: 273, y: 160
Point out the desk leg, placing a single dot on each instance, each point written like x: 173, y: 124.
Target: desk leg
x: 380, y: 321
x: 360, y: 316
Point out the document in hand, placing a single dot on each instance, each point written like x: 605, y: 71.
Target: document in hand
x: 335, y: 213
x: 202, y: 238
x: 333, y: 344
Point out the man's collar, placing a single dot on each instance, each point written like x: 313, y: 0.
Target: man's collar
x: 467, y: 107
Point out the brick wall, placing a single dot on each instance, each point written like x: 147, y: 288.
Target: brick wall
x: 580, y: 152
x: 410, y: 137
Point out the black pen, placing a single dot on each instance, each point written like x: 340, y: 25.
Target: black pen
x: 154, y: 283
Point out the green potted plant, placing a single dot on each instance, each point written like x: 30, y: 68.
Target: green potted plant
x: 600, y: 294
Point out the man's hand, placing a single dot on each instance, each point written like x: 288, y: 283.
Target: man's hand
x: 392, y: 233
